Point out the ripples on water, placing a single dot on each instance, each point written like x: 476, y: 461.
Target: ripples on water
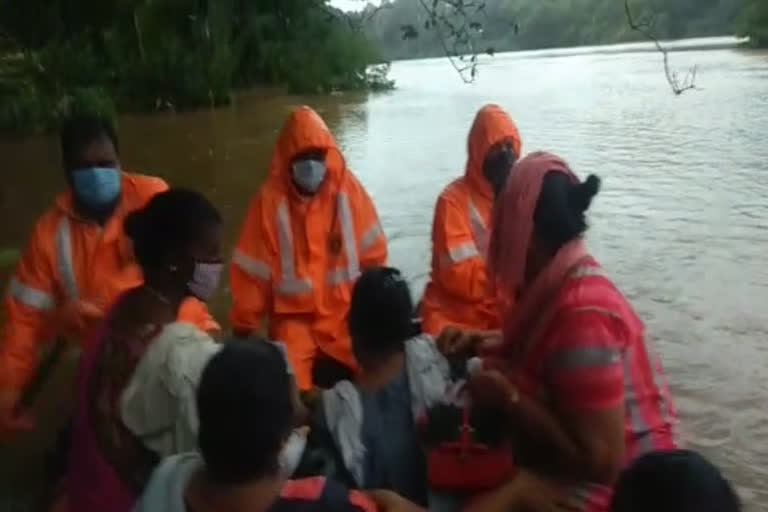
x: 681, y: 222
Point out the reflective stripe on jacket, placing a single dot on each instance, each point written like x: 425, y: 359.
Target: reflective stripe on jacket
x: 69, y: 274
x: 592, y: 354
x: 458, y: 293
x: 298, y: 257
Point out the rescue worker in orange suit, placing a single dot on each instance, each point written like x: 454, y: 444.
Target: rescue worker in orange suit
x: 77, y: 261
x: 309, y: 231
x: 458, y: 294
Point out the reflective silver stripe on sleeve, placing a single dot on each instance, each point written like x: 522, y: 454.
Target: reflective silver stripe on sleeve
x: 32, y: 297
x: 252, y: 267
x: 340, y: 276
x: 660, y: 382
x: 370, y: 237
x: 461, y: 253
x: 639, y: 427
x: 586, y: 357
x: 587, y: 271
x: 64, y: 256
x: 479, y: 230
x: 289, y: 284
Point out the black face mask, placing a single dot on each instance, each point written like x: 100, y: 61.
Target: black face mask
x: 497, y: 166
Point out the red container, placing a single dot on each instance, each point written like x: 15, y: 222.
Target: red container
x: 466, y: 466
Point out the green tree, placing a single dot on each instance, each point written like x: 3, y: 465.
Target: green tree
x: 753, y: 22
x: 158, y: 54
x: 528, y: 24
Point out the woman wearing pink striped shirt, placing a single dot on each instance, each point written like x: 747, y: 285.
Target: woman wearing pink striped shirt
x: 583, y: 388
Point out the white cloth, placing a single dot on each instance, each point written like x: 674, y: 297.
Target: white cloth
x: 428, y: 379
x: 166, y: 488
x: 159, y: 403
x: 168, y: 484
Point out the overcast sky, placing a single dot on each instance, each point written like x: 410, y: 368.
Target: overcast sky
x: 348, y: 5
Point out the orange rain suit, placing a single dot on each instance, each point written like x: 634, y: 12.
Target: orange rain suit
x: 298, y: 257
x: 458, y: 294
x: 70, y: 273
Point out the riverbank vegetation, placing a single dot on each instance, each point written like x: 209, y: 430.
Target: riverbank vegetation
x: 407, y: 28
x: 753, y: 22
x: 56, y: 55
x: 144, y: 55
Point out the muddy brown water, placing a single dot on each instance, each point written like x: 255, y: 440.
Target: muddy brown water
x: 681, y: 223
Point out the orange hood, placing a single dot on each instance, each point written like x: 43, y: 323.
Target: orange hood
x: 304, y: 130
x: 491, y: 125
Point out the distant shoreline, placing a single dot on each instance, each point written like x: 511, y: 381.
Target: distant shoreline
x: 724, y: 42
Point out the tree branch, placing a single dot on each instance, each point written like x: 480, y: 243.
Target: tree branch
x: 455, y: 27
x: 645, y: 27
x: 461, y: 36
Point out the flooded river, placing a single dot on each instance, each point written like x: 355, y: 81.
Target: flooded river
x: 682, y: 221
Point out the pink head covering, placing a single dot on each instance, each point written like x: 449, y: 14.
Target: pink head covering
x: 511, y: 234
x: 513, y: 217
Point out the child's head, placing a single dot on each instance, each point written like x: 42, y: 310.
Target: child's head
x: 380, y: 315
x: 245, y: 410
x: 673, y: 481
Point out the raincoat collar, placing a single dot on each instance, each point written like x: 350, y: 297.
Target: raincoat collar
x: 491, y: 125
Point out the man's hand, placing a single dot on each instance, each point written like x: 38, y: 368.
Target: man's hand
x: 454, y: 342
x: 77, y: 317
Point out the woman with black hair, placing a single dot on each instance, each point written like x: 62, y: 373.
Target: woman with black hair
x: 572, y: 368
x: 137, y: 382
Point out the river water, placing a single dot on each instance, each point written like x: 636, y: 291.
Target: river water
x: 681, y: 223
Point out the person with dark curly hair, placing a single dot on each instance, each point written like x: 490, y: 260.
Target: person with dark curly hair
x: 136, y: 384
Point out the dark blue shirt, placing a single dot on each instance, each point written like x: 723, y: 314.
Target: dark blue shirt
x: 394, y: 456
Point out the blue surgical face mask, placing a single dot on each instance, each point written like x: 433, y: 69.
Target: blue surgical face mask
x: 309, y: 174
x: 96, y: 187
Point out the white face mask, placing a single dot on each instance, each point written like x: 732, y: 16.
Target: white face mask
x: 205, y: 279
x: 309, y: 174
x: 292, y: 451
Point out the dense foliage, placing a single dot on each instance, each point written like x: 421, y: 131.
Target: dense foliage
x: 406, y: 28
x: 168, y: 54
x: 753, y: 22
x: 59, y: 55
